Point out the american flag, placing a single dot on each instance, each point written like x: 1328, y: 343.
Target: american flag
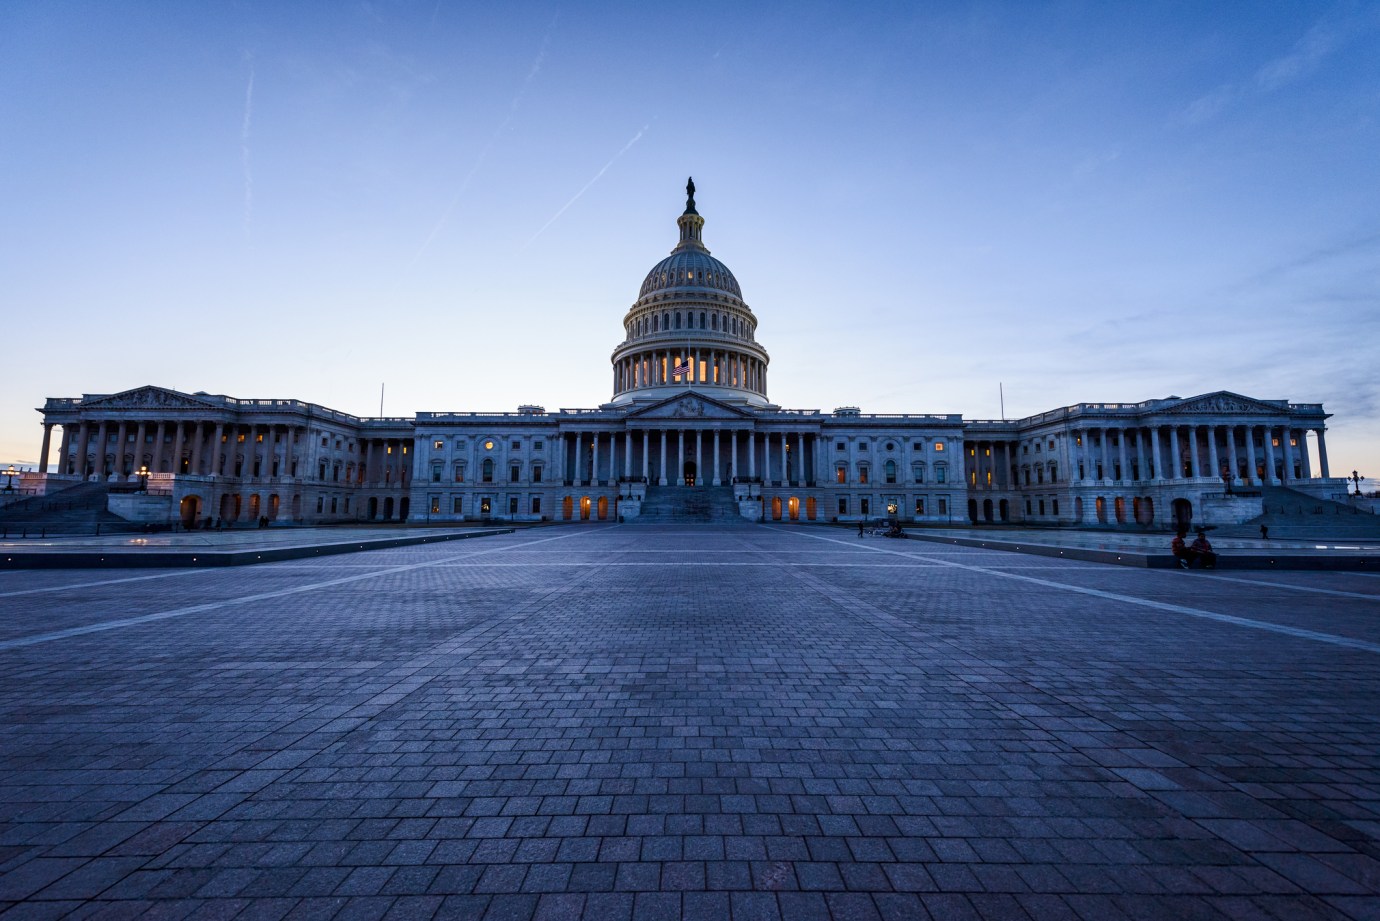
x: 682, y: 368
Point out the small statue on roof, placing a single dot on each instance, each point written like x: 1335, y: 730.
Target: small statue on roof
x: 690, y: 196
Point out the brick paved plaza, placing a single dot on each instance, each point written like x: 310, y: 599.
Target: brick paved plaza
x: 703, y: 722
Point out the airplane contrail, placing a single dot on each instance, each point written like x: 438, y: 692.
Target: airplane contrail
x: 493, y: 139
x: 244, y: 148
x: 636, y: 137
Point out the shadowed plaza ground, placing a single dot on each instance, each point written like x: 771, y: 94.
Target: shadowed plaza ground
x: 706, y: 722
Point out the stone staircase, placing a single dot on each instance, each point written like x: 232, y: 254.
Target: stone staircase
x: 1292, y: 515
x: 78, y: 510
x: 689, y: 504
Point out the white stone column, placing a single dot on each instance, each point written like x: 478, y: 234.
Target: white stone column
x: 766, y: 459
x: 1175, y: 457
x: 733, y: 451
x: 594, y: 460
x: 1269, y: 444
x: 699, y: 450
x: 680, y: 457
x: 1322, y: 455
x: 752, y: 454
x: 627, y: 455
x: 1250, y: 455
x: 646, y: 455
x: 1214, y: 465
x: 46, y: 446
x: 1232, y: 460
x: 1121, y: 454
x: 1156, y: 457
x: 800, y: 461
x: 1307, y: 461
x: 717, y: 479
x: 661, y: 475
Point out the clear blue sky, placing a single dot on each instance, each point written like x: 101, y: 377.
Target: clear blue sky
x: 1082, y: 201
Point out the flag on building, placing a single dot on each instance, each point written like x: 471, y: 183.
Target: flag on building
x: 682, y: 368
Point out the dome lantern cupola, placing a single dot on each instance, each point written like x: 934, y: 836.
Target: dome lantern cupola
x: 690, y: 328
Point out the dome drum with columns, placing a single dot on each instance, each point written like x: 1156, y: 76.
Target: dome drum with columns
x: 690, y: 328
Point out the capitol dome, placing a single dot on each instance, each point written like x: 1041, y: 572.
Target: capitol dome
x: 690, y: 328
x: 690, y: 269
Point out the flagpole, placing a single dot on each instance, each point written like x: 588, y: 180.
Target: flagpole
x: 1002, y: 393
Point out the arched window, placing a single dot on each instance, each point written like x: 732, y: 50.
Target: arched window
x: 666, y: 320
x: 488, y: 470
x: 890, y: 469
x: 677, y: 319
x: 656, y: 323
x: 701, y: 319
x: 714, y: 321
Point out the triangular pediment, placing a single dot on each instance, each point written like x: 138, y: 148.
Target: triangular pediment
x: 149, y: 398
x: 690, y: 406
x: 1223, y: 401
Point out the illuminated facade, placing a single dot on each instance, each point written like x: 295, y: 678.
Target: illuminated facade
x: 689, y: 434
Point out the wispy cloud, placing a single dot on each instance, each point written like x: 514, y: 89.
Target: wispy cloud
x: 1306, y: 56
x: 489, y: 145
x: 635, y: 138
x: 245, y: 164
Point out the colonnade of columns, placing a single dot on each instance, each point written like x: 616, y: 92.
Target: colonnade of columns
x: 660, y: 456
x: 656, y: 368
x: 201, y: 447
x: 1198, y: 450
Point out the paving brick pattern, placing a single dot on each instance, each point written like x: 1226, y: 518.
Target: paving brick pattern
x: 736, y: 723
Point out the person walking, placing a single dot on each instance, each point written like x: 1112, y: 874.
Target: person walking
x: 860, y: 527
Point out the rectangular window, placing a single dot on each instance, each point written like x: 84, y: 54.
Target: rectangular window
x: 485, y: 505
x: 259, y: 438
x: 943, y: 506
x: 438, y: 444
x: 841, y: 474
x: 1042, y: 506
x: 940, y: 474
x: 919, y: 507
x: 862, y: 474
x: 512, y: 505
x: 435, y: 473
x: 536, y: 505
x: 841, y: 446
x: 514, y: 473
x: 320, y: 504
x: 457, y: 506
x: 435, y: 505
x: 918, y: 446
x: 538, y: 445
x: 843, y: 506
x: 1056, y: 507
x: 536, y: 474
x: 939, y: 446
x: 862, y: 446
x: 459, y: 473
x: 517, y: 446
x: 866, y: 505
x: 239, y: 439
x: 333, y: 501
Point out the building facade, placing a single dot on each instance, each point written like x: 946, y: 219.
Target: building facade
x: 689, y: 430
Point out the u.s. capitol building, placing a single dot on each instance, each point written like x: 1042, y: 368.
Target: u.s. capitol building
x: 689, y: 434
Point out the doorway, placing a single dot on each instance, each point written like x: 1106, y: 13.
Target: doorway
x: 190, y: 511
x: 689, y: 473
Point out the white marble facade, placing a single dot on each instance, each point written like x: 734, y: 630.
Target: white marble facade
x: 689, y: 411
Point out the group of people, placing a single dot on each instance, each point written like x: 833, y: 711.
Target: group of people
x: 1197, y: 555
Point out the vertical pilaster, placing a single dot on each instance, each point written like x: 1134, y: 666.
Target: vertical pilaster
x: 661, y: 474
x: 594, y: 459
x: 646, y: 455
x: 733, y: 451
x: 1121, y: 454
x: 1214, y: 466
x: 1322, y: 455
x: 699, y: 450
x: 1175, y: 457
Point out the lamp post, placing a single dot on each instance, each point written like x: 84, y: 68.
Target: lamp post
x: 10, y: 474
x: 1356, y: 479
x: 143, y: 475
x: 1226, y: 480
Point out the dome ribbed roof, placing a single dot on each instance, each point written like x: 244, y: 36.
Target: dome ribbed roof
x: 690, y: 269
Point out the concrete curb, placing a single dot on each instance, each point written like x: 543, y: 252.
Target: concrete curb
x: 165, y: 559
x: 1142, y: 560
